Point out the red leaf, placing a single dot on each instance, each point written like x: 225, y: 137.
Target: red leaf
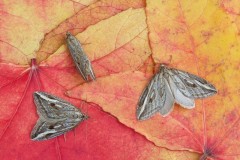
x: 101, y: 136
x: 189, y: 37
x: 125, y: 43
x: 92, y: 140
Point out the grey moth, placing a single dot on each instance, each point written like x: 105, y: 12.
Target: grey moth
x: 80, y: 59
x: 56, y: 116
x: 168, y: 86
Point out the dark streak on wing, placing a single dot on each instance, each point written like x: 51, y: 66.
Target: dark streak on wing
x: 191, y: 85
x: 152, y: 98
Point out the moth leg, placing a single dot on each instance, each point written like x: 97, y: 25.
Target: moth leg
x: 74, y: 132
x: 64, y: 136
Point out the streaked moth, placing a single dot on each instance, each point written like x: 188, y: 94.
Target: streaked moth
x: 80, y: 59
x: 168, y: 86
x: 56, y: 116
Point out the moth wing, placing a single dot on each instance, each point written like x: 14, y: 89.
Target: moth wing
x: 179, y: 97
x: 90, y: 71
x: 191, y: 85
x: 152, y: 98
x: 169, y: 100
x: 44, y: 130
x: 54, y: 108
x: 83, y: 64
x: 80, y: 59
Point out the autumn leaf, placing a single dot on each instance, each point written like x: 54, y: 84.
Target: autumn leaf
x: 125, y: 40
x: 91, y: 15
x: 101, y: 136
x: 202, y: 38
x: 23, y: 25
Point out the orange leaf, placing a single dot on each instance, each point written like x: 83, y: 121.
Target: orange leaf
x: 23, y: 25
x: 125, y: 40
x: 101, y: 136
x: 198, y: 37
x: 80, y: 21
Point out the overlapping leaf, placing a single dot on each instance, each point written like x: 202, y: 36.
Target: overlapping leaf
x: 56, y: 74
x: 124, y: 40
x: 197, y: 37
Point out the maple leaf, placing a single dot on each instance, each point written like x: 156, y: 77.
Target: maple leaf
x: 116, y: 35
x: 200, y: 38
x: 101, y: 136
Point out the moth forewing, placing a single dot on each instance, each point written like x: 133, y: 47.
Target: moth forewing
x: 151, y: 99
x: 191, y: 85
x: 143, y: 111
x: 47, y: 130
x: 80, y: 58
x: 56, y: 116
x: 42, y: 100
x: 43, y: 131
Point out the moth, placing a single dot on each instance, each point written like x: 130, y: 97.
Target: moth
x: 56, y: 116
x: 80, y: 59
x: 168, y: 86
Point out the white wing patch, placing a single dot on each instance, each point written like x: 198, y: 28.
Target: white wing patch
x: 169, y: 102
x: 180, y: 98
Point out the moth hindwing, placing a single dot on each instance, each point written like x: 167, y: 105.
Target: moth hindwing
x: 56, y: 116
x: 80, y: 59
x: 168, y: 86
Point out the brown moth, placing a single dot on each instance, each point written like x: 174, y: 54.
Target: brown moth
x: 168, y: 86
x: 56, y: 116
x: 80, y: 59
